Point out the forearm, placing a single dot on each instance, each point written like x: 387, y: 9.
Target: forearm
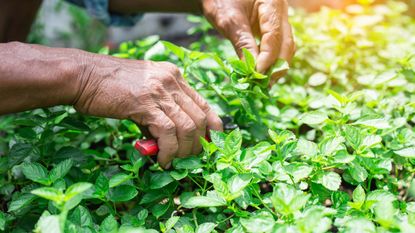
x: 35, y: 76
x: 134, y: 6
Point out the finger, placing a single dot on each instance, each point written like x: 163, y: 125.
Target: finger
x: 213, y: 120
x: 239, y: 32
x: 185, y: 127
x: 163, y: 129
x: 198, y: 116
x: 288, y: 45
x: 269, y: 14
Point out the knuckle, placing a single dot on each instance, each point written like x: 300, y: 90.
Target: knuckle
x: 188, y: 129
x: 231, y: 16
x: 168, y: 127
x: 171, y: 68
x: 201, y: 121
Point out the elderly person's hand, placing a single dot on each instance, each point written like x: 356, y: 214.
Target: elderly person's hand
x: 242, y: 21
x: 152, y: 94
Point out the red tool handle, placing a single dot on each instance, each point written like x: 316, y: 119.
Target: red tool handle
x: 149, y: 147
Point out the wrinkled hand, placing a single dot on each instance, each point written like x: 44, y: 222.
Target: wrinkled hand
x: 153, y: 95
x: 243, y: 20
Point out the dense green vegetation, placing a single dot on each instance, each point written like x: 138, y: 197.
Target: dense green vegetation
x: 331, y: 147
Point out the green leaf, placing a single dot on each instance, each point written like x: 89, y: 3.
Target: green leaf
x: 380, y: 196
x: 240, y: 67
x: 178, y: 175
x: 21, y: 202
x: 189, y: 163
x: 159, y: 180
x: 2, y: 221
x: 178, y: 51
x: 122, y: 193
x: 358, y: 172
x: 306, y: 148
x: 313, y: 118
x: 60, y: 170
x: 298, y: 171
x: 77, y: 189
x: 353, y: 136
x: 330, y: 145
x: 160, y: 209
x: 260, y: 222
x: 359, y: 197
x: 317, y: 79
x: 287, y: 200
x: 237, y: 183
x: 118, y: 179
x: 206, y: 227
x: 342, y: 99
x: 171, y: 222
x: 331, y: 181
x: 374, y: 122
x: 249, y: 59
x: 406, y: 152
x: 218, y: 138
x: 19, y: 152
x: 48, y: 223
x: 36, y: 172
x: 49, y: 193
x: 371, y: 140
x: 101, y: 185
x: 233, y: 142
x: 109, y: 225
x: 81, y: 217
x: 204, y: 201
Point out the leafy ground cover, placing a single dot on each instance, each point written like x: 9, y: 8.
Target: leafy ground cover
x: 329, y: 149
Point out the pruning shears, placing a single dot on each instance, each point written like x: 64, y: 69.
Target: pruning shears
x: 149, y: 147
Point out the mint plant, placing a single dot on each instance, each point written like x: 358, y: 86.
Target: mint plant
x: 330, y: 148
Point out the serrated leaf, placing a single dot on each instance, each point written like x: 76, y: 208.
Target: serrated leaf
x: 36, y: 172
x: 306, y: 148
x: 331, y: 181
x: 330, y: 145
x: 21, y: 201
x: 60, y: 170
x: 313, y: 117
x: 204, y: 201
x: 375, y: 122
x: 109, y: 225
x: 49, y: 193
x: 406, y: 152
x: 261, y: 222
x: 206, y: 227
x: 358, y: 172
x: 76, y: 189
x: 359, y: 197
x: 171, y: 222
x: 237, y: 183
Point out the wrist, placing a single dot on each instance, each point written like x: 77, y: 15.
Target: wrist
x: 36, y: 76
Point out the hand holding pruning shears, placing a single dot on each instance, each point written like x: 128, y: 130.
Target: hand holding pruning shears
x: 149, y: 147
